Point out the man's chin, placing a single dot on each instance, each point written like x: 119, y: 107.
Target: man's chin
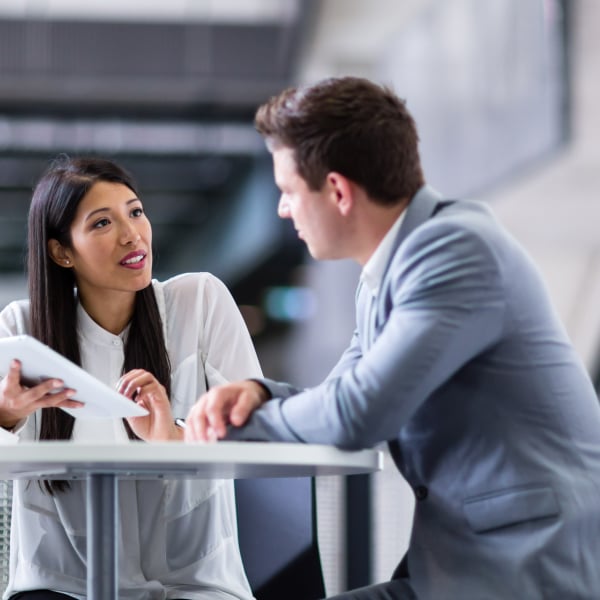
x: 316, y: 255
x: 320, y: 255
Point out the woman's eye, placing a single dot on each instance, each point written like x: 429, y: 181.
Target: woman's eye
x: 101, y: 223
x: 137, y: 212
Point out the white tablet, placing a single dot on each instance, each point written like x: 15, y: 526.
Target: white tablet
x: 39, y: 362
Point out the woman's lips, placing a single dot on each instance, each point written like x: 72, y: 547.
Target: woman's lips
x: 134, y: 260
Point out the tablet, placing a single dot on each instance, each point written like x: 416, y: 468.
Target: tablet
x: 39, y: 362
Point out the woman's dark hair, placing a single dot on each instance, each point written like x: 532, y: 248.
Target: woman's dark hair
x: 348, y: 125
x: 52, y: 294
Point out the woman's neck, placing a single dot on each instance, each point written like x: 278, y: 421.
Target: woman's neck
x: 112, y: 312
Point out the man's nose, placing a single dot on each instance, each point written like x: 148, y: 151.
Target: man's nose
x: 283, y: 209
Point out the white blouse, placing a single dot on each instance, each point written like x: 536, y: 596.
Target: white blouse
x: 177, y: 538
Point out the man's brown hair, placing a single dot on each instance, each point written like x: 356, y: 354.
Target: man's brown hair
x: 351, y: 126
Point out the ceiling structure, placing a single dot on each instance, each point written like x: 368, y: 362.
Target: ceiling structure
x: 169, y: 91
x: 192, y: 67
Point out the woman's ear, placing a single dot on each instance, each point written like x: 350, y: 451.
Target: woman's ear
x: 59, y: 254
x: 342, y: 192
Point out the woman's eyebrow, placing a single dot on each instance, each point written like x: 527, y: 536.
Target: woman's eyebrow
x: 106, y: 208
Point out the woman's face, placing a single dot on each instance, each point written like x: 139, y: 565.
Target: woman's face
x: 111, y: 242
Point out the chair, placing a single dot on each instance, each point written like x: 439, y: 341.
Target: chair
x: 278, y: 537
x: 5, y: 514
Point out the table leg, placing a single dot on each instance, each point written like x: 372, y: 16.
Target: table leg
x: 102, y: 551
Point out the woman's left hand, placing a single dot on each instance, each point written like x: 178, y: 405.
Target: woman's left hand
x: 146, y: 391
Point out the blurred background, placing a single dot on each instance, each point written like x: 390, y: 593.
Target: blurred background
x: 505, y: 94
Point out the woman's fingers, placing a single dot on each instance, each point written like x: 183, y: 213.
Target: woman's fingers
x: 131, y: 381
x: 136, y: 382
x: 18, y: 401
x: 62, y: 399
x: 13, y: 377
x: 146, y: 391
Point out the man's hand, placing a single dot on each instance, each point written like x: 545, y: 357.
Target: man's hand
x: 226, y: 404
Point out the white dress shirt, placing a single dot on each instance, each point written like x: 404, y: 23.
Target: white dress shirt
x: 374, y: 269
x: 177, y: 538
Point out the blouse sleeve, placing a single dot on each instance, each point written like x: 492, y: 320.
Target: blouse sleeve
x: 226, y: 346
x: 13, y: 321
x: 6, y: 437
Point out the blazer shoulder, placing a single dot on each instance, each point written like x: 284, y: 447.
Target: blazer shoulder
x: 468, y: 215
x: 462, y: 226
x: 461, y: 240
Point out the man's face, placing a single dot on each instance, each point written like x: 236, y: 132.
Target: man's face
x: 314, y: 214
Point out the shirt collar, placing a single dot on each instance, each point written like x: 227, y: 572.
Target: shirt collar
x: 374, y: 269
x: 90, y: 330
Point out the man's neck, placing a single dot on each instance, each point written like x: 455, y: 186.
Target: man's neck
x: 377, y: 220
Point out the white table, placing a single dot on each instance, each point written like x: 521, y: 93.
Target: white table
x: 103, y: 465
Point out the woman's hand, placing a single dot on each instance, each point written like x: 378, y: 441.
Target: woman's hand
x: 146, y: 391
x: 18, y: 402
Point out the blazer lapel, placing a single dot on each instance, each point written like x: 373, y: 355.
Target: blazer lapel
x: 422, y: 207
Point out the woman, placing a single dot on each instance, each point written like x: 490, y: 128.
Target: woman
x: 92, y: 298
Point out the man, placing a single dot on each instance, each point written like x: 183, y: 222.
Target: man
x: 458, y: 361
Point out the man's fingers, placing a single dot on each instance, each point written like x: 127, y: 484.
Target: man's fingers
x: 242, y: 409
x: 215, y: 425
x: 195, y: 429
x: 203, y: 421
x: 251, y: 398
x: 219, y: 404
x: 196, y: 424
x: 219, y: 407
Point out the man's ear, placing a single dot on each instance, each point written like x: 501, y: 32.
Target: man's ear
x: 342, y: 191
x: 59, y: 254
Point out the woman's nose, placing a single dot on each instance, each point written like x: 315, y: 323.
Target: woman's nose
x: 130, y: 235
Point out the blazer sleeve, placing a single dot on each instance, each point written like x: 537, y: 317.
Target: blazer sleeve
x: 445, y: 302
x: 351, y: 355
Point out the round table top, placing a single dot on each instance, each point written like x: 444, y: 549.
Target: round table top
x: 222, y: 460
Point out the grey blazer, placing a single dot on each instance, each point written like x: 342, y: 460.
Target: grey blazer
x: 463, y: 365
